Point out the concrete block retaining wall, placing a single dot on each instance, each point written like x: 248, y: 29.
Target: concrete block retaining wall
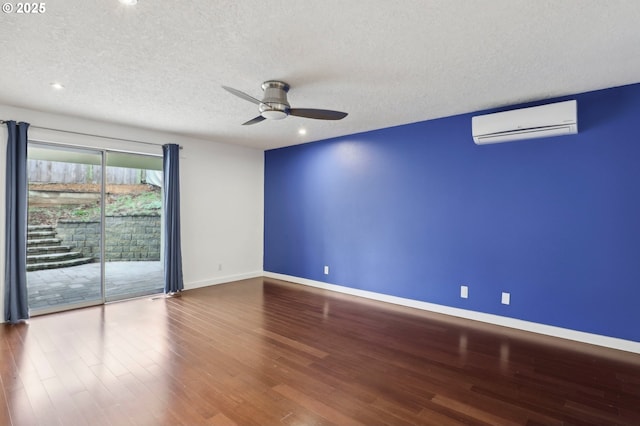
x: 128, y: 238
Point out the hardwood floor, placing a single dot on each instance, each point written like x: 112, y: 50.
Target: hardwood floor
x: 265, y: 352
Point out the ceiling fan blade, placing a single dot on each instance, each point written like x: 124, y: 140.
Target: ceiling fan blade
x: 254, y: 120
x: 242, y: 95
x: 318, y: 114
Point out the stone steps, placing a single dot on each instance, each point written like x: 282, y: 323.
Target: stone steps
x: 59, y: 264
x: 40, y: 227
x: 45, y: 251
x: 37, y: 235
x: 43, y: 242
x: 52, y: 257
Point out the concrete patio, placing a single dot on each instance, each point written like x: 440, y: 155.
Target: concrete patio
x: 76, y: 284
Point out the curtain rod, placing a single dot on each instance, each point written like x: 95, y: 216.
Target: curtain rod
x: 91, y: 135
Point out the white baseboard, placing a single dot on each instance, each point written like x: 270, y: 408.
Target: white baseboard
x: 549, y: 330
x: 222, y: 280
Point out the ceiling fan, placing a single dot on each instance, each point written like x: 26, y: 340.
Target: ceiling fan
x: 274, y: 104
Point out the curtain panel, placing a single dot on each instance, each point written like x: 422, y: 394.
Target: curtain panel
x: 173, y: 282
x: 15, y: 297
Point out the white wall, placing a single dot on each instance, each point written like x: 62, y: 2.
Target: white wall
x: 221, y: 193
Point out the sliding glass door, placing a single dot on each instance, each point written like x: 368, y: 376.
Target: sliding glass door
x: 133, y: 228
x: 94, y: 227
x: 64, y: 228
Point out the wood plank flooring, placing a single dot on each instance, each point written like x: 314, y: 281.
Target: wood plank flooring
x: 266, y: 352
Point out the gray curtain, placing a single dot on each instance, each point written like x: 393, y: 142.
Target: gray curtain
x: 16, y: 306
x: 172, y: 247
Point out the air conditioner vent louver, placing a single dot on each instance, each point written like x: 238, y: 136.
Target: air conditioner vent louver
x: 526, y: 123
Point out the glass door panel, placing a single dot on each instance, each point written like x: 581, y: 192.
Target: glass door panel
x: 64, y: 227
x: 133, y: 226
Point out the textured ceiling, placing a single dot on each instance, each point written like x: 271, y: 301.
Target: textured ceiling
x: 161, y: 63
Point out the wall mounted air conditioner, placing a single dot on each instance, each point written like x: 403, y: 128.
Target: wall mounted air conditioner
x: 543, y: 121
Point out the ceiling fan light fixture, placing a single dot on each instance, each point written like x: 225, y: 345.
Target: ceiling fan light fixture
x: 273, y: 114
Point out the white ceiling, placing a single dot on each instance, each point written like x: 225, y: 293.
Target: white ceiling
x: 161, y: 63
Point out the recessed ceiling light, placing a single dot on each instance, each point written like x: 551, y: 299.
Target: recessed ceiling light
x: 302, y: 131
x: 129, y: 2
x: 57, y: 86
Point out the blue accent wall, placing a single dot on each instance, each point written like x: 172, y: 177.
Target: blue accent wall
x: 417, y: 210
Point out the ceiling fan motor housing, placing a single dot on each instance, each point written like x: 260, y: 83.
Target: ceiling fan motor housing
x: 274, y: 104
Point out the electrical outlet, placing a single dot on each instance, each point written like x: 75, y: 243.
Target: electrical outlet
x: 464, y: 291
x: 219, y: 266
x: 326, y: 270
x: 506, y: 298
